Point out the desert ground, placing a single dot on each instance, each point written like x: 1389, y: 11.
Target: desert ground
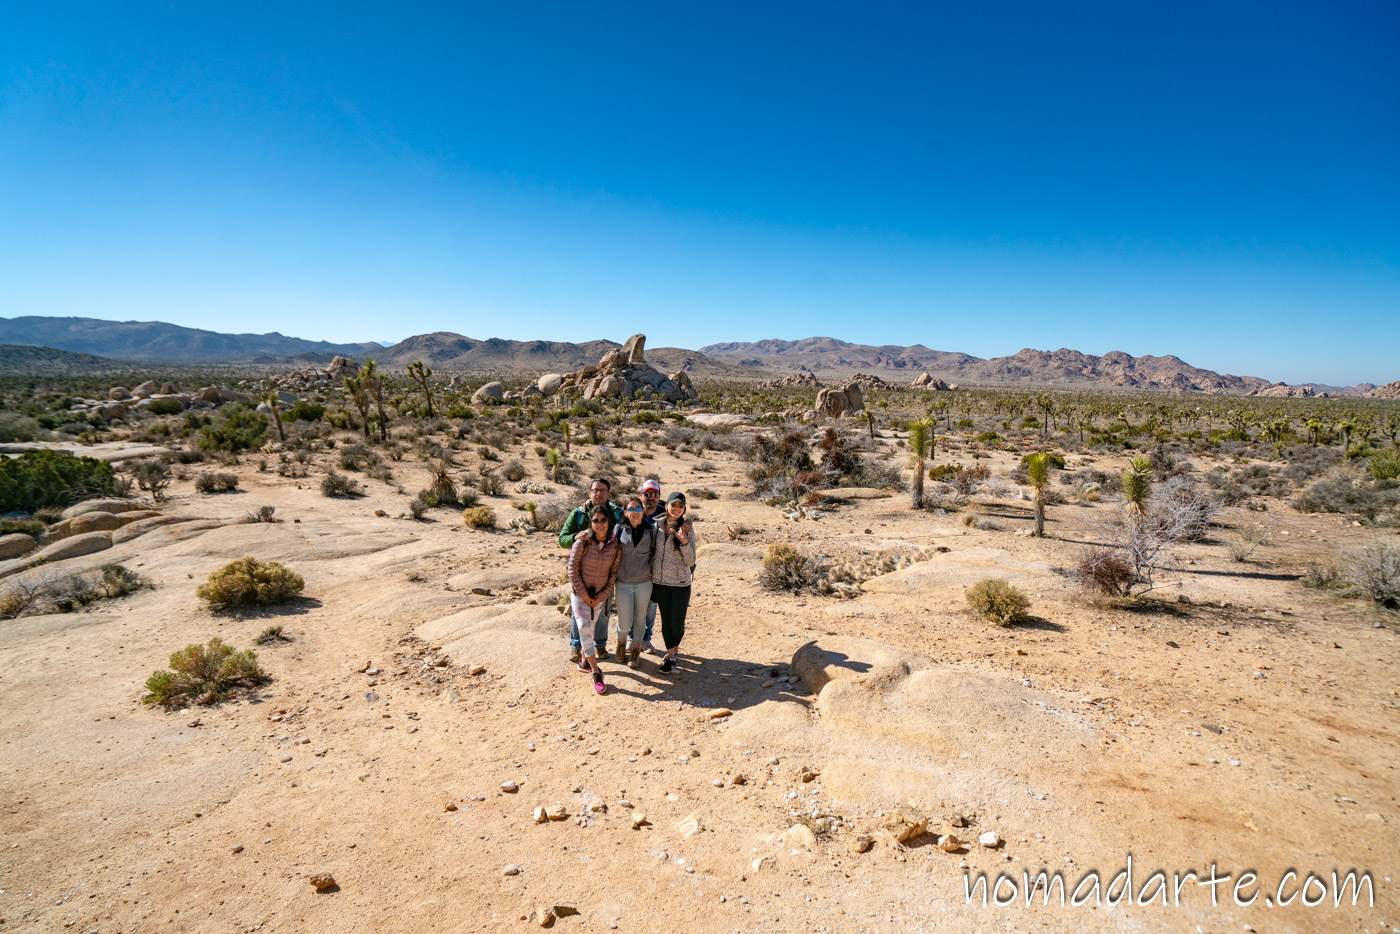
x: 1235, y: 720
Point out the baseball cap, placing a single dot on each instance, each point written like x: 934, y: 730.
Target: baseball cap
x: 651, y: 485
x: 676, y: 497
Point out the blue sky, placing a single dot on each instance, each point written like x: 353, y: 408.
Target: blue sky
x: 1216, y: 180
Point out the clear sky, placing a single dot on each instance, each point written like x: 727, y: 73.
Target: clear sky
x: 1216, y: 180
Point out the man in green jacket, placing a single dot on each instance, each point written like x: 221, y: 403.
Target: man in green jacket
x: 599, y: 494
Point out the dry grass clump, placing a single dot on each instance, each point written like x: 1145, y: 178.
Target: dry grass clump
x: 479, y: 517
x: 785, y: 569
x: 250, y: 582
x: 1375, y: 572
x: 1105, y: 571
x: 996, y: 600
x: 203, y: 674
x: 335, y: 484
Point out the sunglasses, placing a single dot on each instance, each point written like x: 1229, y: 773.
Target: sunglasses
x: 634, y: 508
x: 651, y: 494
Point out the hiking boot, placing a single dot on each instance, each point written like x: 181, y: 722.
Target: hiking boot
x: 634, y: 658
x: 621, y: 649
x: 603, y: 653
x: 575, y: 653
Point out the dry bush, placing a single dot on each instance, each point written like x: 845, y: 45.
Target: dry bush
x: 216, y: 482
x: 118, y: 581
x: 1325, y: 576
x: 996, y: 600
x: 1104, y: 571
x: 203, y: 674
x: 335, y: 484
x: 1375, y: 572
x: 479, y: 517
x: 417, y: 508
x: 785, y: 569
x: 271, y: 634
x: 514, y: 471
x: 250, y: 582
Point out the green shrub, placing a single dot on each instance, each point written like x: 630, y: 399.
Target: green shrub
x: 1055, y: 461
x: 250, y: 582
x: 51, y: 478
x: 996, y: 600
x: 16, y: 427
x: 165, y: 407
x: 237, y: 427
x: 429, y: 498
x: 335, y: 484
x: 304, y: 412
x: 216, y: 482
x: 26, y: 526
x: 1384, y: 465
x: 203, y: 674
x: 479, y: 517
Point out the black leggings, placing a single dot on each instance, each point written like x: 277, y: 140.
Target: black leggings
x: 671, y: 603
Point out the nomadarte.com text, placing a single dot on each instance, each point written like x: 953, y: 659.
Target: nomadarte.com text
x: 1310, y: 889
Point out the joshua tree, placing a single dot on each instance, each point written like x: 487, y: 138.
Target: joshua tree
x: 1391, y: 427
x: 355, y: 387
x: 1137, y: 487
x: 1038, y: 474
x: 374, y: 386
x: 270, y: 400
x: 564, y: 427
x: 920, y: 449
x: 1275, y: 431
x: 1315, y: 427
x: 1346, y: 428
x: 421, y: 373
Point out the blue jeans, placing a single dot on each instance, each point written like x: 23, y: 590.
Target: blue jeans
x: 651, y: 621
x: 600, y: 634
x: 632, y: 603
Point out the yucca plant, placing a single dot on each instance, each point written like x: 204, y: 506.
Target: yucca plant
x: 920, y: 449
x: 1137, y: 486
x: 442, y: 485
x: 1038, y: 475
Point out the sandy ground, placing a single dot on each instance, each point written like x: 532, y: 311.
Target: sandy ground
x: 1254, y: 728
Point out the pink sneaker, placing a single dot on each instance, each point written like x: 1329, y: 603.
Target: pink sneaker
x: 598, y: 684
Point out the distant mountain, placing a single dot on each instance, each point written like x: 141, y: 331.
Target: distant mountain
x: 167, y: 343
x: 1031, y: 368
x: 22, y: 358
x: 444, y: 350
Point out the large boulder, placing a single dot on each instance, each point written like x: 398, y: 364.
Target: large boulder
x: 75, y: 547
x: 209, y: 394
x: 87, y: 522
x: 148, y: 387
x: 832, y: 403
x: 634, y: 349
x: 342, y: 367
x: 167, y: 389
x: 102, y: 505
x: 492, y: 393
x: 613, y: 360
x: 118, y: 392
x: 550, y: 383
x: 112, y: 412
x: 15, y: 544
x: 855, y: 399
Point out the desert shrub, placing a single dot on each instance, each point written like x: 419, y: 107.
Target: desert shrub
x: 775, y: 459
x: 203, y: 674
x: 443, y: 486
x: 25, y: 526
x: 490, y: 482
x: 216, y: 482
x: 165, y: 407
x: 1345, y: 489
x: 1056, y: 461
x: 237, y: 427
x: 336, y: 484
x: 250, y: 582
x: 429, y: 498
x: 1384, y: 465
x: 417, y: 508
x: 1324, y: 576
x: 785, y: 569
x: 151, y: 475
x: 262, y: 514
x: 965, y: 480
x: 1375, y: 572
x: 479, y: 517
x: 191, y: 456
x: 271, y: 634
x: 1247, y: 539
x: 51, y: 478
x: 514, y: 471
x: 304, y: 412
x: 1104, y: 571
x: 695, y: 493
x: 381, y: 472
x: 996, y: 600
x: 357, y: 456
x: 118, y: 580
x: 549, y: 515
x: 16, y: 599
x: 16, y: 427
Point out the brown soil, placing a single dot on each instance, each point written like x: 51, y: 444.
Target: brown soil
x: 1254, y: 727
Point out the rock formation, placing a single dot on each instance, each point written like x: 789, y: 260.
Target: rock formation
x: 924, y: 381
x: 833, y: 403
x: 797, y: 379
x: 622, y: 373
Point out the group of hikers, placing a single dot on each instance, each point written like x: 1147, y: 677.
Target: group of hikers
x: 637, y: 558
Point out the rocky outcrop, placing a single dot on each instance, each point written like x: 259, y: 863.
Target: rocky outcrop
x: 491, y: 394
x: 622, y: 373
x: 102, y: 505
x: 15, y: 544
x: 868, y: 381
x: 801, y: 380
x: 1284, y: 391
x: 924, y: 381
x: 1388, y: 391
x: 833, y: 403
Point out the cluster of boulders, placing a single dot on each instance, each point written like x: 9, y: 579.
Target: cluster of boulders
x: 807, y: 380
x: 121, y: 401
x: 924, y: 381
x: 869, y: 382
x: 1285, y: 391
x: 848, y: 400
x: 622, y: 373
x: 313, y: 378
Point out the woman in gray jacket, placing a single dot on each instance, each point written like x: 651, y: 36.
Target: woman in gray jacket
x: 636, y: 540
x: 671, y: 574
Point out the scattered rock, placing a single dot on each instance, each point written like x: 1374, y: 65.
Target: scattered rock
x: 510, y: 787
x: 801, y: 835
x: 540, y: 816
x: 238, y: 848
x: 718, y: 712
x: 449, y: 806
x: 556, y: 812
x: 690, y: 826
x: 511, y: 870
x: 950, y: 843
x: 638, y: 820
x: 862, y: 843
x: 322, y: 881
x: 906, y: 823
x: 991, y: 839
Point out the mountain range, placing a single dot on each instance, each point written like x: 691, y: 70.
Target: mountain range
x: 826, y: 357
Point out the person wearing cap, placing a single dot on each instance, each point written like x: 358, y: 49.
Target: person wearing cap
x: 654, y: 513
x: 671, y: 571
x: 636, y: 540
x: 593, y: 561
x: 599, y: 494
